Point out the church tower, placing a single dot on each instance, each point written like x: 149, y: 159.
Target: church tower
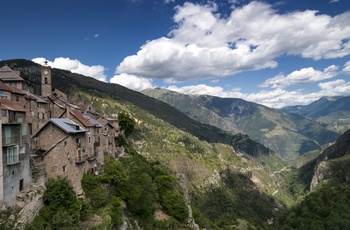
x: 46, y: 86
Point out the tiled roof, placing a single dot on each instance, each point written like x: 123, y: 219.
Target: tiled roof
x: 35, y: 97
x: 10, y: 105
x: 4, y: 87
x: 77, y: 114
x: 7, y: 74
x: 15, y: 90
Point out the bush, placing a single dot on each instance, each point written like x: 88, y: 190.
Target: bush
x: 62, y: 208
x: 94, y: 191
x: 171, y: 198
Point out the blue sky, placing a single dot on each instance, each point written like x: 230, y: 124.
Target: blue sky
x: 275, y: 53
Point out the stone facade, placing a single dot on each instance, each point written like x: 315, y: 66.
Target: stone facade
x: 64, y: 152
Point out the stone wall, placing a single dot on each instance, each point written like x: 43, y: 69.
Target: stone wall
x: 30, y: 211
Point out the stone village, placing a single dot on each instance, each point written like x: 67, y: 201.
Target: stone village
x: 45, y: 136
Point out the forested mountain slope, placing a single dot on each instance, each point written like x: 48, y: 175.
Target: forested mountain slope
x: 290, y: 135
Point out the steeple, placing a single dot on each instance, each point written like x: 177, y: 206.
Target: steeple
x: 46, y: 86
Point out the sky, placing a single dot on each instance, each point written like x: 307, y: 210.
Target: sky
x: 275, y: 53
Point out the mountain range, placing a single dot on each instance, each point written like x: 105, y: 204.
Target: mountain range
x: 212, y: 147
x: 288, y: 134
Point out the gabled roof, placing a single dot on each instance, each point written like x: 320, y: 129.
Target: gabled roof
x: 64, y: 124
x: 7, y: 74
x: 4, y: 87
x: 77, y: 114
x: 92, y: 121
x: 10, y: 105
x: 111, y: 119
x: 35, y: 98
x: 86, y: 108
x: 17, y: 91
x: 68, y: 103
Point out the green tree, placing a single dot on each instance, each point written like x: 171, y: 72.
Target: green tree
x: 94, y: 191
x: 171, y: 198
x: 62, y: 207
x: 114, y: 172
x: 126, y: 122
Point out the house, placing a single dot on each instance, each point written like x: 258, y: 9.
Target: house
x: 12, y: 78
x: 68, y: 140
x: 61, y: 144
x: 110, y: 132
x: 93, y: 135
x: 88, y: 110
x: 16, y: 176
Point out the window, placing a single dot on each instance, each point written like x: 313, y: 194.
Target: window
x: 89, y: 140
x: 12, y: 154
x: 21, y: 185
x: 65, y: 143
x: 46, y: 80
x: 24, y: 131
x: 17, y: 98
x: 64, y: 168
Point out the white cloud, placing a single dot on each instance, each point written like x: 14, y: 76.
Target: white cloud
x: 346, y: 69
x: 303, y: 76
x: 96, y: 35
x: 75, y: 66
x: 275, y: 98
x: 132, y: 82
x: 168, y: 1
x: 203, y: 44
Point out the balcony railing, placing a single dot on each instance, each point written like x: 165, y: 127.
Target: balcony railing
x: 92, y: 156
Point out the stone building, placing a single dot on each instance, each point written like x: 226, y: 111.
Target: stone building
x: 12, y: 78
x: 69, y: 140
x: 61, y: 144
x: 15, y: 155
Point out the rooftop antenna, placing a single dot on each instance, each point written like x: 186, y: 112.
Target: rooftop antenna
x: 45, y: 62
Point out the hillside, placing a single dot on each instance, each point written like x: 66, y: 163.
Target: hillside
x: 332, y: 112
x: 290, y: 135
x: 328, y: 178
x: 71, y: 83
x: 214, y: 169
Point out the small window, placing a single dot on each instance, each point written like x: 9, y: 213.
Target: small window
x: 17, y: 98
x: 89, y: 140
x: 21, y: 185
x: 46, y: 81
x: 65, y: 143
x: 64, y: 168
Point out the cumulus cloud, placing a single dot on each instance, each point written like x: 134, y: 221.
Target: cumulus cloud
x: 132, y: 82
x: 75, y: 66
x: 204, y: 44
x: 275, y: 98
x: 346, y: 69
x: 303, y: 76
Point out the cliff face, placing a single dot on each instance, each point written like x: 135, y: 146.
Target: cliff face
x: 333, y: 166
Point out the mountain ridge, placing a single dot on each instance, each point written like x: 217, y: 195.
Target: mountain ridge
x: 288, y: 134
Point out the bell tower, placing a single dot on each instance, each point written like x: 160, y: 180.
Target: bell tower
x: 46, y: 87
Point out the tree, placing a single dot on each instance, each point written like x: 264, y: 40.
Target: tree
x: 127, y: 123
